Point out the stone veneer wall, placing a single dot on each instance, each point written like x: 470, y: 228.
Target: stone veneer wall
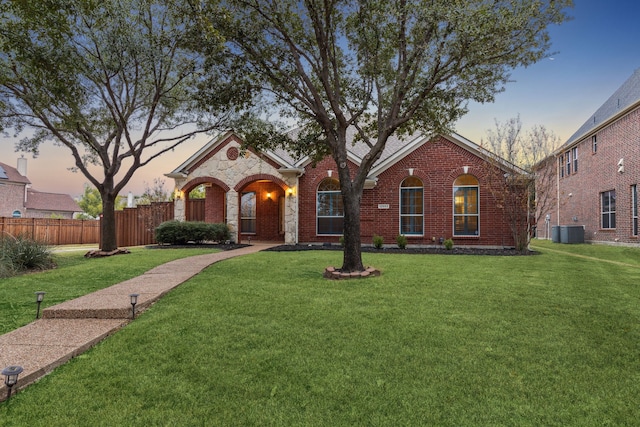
x: 227, y: 166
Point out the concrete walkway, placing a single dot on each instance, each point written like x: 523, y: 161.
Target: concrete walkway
x: 72, y: 327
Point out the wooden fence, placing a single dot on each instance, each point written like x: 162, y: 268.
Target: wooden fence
x: 134, y: 226
x: 53, y: 231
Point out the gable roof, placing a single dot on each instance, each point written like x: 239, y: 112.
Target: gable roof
x: 11, y: 174
x: 623, y: 100
x: 42, y: 201
x: 396, y: 148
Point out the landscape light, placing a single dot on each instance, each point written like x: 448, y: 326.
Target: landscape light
x: 11, y: 377
x: 134, y: 301
x: 39, y: 298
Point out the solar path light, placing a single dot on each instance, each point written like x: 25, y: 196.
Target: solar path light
x: 11, y: 377
x: 134, y: 301
x: 39, y: 298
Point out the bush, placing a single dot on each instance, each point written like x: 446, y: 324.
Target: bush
x: 401, y: 241
x: 20, y: 254
x: 448, y: 244
x: 378, y: 241
x: 180, y: 232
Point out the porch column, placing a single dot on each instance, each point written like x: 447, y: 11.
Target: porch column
x: 291, y: 216
x: 233, y: 214
x: 179, y: 213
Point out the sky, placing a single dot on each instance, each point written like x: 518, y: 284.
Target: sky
x: 592, y: 56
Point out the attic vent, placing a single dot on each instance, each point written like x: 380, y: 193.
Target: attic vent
x: 3, y: 174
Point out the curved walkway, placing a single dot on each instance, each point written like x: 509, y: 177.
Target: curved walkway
x: 72, y: 327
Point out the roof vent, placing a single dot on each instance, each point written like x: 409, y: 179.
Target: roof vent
x: 3, y: 174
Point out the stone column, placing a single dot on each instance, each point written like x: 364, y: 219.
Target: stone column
x: 233, y: 214
x: 291, y: 216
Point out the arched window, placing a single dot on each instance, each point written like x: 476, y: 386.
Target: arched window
x: 17, y: 214
x: 466, y: 209
x: 329, y: 207
x: 411, y: 206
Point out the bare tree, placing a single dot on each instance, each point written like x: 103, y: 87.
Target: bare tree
x: 526, y: 192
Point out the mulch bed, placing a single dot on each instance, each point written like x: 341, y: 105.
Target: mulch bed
x: 391, y: 250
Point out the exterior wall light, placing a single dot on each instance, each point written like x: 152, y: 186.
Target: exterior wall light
x: 268, y: 196
x: 134, y: 301
x: 11, y: 377
x: 290, y: 191
x: 39, y: 298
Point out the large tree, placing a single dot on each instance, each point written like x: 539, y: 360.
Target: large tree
x: 380, y: 67
x: 116, y: 82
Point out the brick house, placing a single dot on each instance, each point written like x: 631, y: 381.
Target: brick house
x: 19, y: 200
x: 594, y: 183
x: 426, y: 189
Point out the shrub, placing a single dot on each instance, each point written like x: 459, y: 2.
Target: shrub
x: 341, y: 241
x: 378, y: 241
x: 448, y: 244
x: 180, y: 232
x: 20, y: 254
x: 401, y: 241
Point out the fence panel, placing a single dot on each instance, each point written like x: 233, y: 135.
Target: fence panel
x: 53, y: 231
x: 136, y: 226
x: 195, y: 210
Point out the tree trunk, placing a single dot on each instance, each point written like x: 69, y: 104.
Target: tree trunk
x: 108, y: 241
x: 352, y: 256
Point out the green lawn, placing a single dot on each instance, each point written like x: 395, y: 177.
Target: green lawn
x: 551, y: 339
x: 74, y: 277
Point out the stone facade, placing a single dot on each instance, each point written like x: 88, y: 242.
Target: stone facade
x: 227, y: 172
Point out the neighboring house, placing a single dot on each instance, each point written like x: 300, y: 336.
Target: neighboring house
x: 427, y: 190
x: 596, y: 173
x: 19, y: 200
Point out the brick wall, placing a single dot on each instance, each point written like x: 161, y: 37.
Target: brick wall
x: 11, y: 199
x: 579, y: 193
x: 437, y: 164
x: 268, y: 225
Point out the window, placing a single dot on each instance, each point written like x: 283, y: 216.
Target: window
x: 594, y: 144
x: 634, y: 209
x: 16, y: 214
x: 608, y: 209
x: 561, y: 165
x: 568, y: 159
x: 411, y: 206
x: 574, y: 153
x: 466, y: 214
x: 329, y: 208
x: 248, y: 212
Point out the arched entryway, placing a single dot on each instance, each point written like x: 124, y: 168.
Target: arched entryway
x: 261, y: 213
x: 212, y: 208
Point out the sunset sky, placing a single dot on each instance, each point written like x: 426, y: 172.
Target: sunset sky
x: 593, y: 54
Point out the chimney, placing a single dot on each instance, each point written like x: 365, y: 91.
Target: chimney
x: 22, y: 166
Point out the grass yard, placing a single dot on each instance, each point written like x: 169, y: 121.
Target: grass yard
x: 74, y: 277
x: 263, y: 340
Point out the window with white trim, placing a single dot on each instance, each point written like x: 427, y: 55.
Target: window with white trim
x: 411, y: 206
x: 574, y: 154
x: 608, y: 209
x: 594, y: 144
x: 634, y: 209
x: 329, y: 208
x: 466, y: 210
